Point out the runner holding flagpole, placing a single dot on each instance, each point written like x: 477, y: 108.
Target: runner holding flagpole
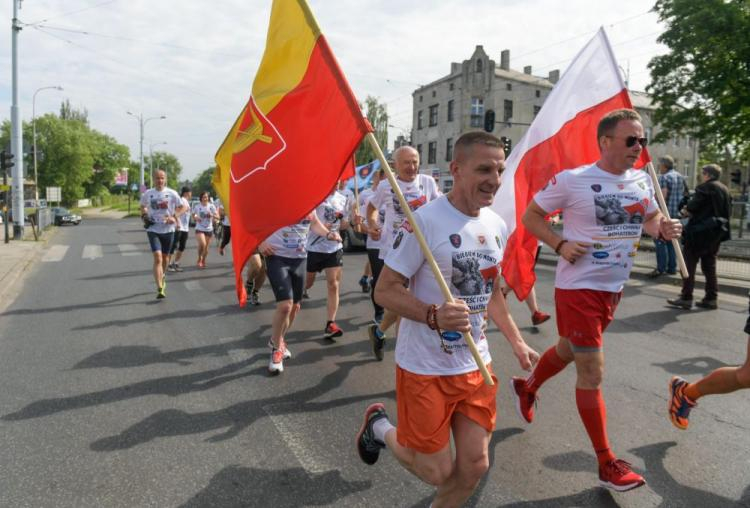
x: 370, y: 138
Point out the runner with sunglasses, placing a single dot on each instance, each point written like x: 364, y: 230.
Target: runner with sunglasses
x: 606, y: 206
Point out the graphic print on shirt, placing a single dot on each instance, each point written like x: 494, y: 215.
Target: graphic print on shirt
x: 473, y: 276
x: 159, y: 202
x: 294, y: 237
x: 620, y: 216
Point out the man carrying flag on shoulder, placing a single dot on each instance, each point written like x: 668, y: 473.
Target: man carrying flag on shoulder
x: 439, y: 389
x: 606, y: 205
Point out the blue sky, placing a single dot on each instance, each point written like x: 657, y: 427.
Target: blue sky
x: 194, y: 61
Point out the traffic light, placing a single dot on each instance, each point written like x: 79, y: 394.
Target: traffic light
x: 507, y: 145
x: 6, y: 161
x: 489, y: 120
x: 736, y: 176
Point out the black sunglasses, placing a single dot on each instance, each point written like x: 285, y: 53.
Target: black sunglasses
x: 631, y: 140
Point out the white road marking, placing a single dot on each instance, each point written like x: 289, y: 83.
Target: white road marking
x: 193, y: 285
x: 288, y: 422
x: 55, y: 254
x: 128, y: 249
x: 92, y: 252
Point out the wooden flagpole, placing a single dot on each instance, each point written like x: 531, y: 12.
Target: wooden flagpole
x: 357, y: 227
x: 663, y: 207
x: 426, y: 251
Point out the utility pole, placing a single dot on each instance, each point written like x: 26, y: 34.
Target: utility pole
x: 16, y: 133
x: 142, y: 123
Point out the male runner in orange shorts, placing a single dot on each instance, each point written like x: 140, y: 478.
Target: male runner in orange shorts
x: 439, y: 389
x: 606, y: 205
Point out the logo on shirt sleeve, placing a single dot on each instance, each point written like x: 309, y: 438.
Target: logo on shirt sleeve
x: 455, y: 240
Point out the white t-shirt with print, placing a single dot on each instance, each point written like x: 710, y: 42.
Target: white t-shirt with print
x: 183, y: 221
x: 331, y: 212
x: 606, y: 211
x: 421, y: 190
x: 205, y: 219
x: 161, y: 205
x: 291, y: 241
x: 364, y: 199
x: 220, y: 207
x: 468, y: 251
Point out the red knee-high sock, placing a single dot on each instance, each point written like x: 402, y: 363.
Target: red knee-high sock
x: 549, y: 364
x: 593, y: 412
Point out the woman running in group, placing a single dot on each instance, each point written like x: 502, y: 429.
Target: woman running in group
x: 204, y: 213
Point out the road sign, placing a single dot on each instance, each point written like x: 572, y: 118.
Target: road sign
x: 4, y: 188
x: 54, y: 194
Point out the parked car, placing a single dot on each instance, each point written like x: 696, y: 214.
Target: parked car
x: 353, y: 240
x: 64, y: 216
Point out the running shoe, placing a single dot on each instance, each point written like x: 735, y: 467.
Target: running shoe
x: 618, y: 475
x: 170, y: 267
x: 276, y: 364
x: 164, y: 282
x: 221, y: 251
x: 255, y: 297
x: 537, y: 318
x: 368, y: 446
x: 305, y: 295
x: 364, y: 283
x: 177, y: 267
x: 679, y: 403
x: 284, y: 349
x: 332, y: 331
x: 160, y: 293
x: 377, y: 339
x: 525, y: 400
x: 249, y: 286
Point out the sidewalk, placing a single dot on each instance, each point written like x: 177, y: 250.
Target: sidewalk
x: 101, y: 213
x: 16, y: 259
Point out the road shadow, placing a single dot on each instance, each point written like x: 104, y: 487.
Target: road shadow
x: 646, y: 322
x: 160, y: 318
x: 230, y: 421
x: 677, y: 494
x: 498, y: 436
x: 114, y: 302
x: 174, y: 386
x: 123, y: 357
x: 236, y: 486
x: 697, y: 365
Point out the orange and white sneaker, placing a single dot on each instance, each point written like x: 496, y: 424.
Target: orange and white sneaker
x: 679, y: 404
x: 285, y: 350
x: 276, y: 364
x: 618, y: 475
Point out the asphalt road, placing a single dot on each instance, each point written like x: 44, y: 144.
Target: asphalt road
x: 112, y: 398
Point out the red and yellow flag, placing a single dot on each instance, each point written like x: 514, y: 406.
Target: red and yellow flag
x: 293, y: 139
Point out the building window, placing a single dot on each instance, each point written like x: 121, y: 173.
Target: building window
x: 450, y: 87
x: 449, y: 149
x: 688, y: 166
x: 508, y: 86
x: 433, y: 115
x: 450, y: 110
x: 538, y: 93
x: 419, y: 119
x: 447, y: 186
x: 433, y: 93
x: 537, y: 109
x: 479, y: 65
x: 432, y: 152
x: 477, y: 111
x: 507, y: 109
x: 419, y: 151
x: 420, y: 98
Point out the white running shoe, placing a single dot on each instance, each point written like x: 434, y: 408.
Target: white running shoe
x: 276, y: 364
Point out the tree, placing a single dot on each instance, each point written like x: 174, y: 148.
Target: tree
x: 702, y: 86
x: 377, y: 114
x: 203, y: 181
x: 67, y: 112
x: 169, y: 163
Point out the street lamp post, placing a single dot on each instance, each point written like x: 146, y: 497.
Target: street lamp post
x: 142, y: 123
x: 33, y: 135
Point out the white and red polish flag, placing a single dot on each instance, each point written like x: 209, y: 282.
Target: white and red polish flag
x: 562, y: 136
